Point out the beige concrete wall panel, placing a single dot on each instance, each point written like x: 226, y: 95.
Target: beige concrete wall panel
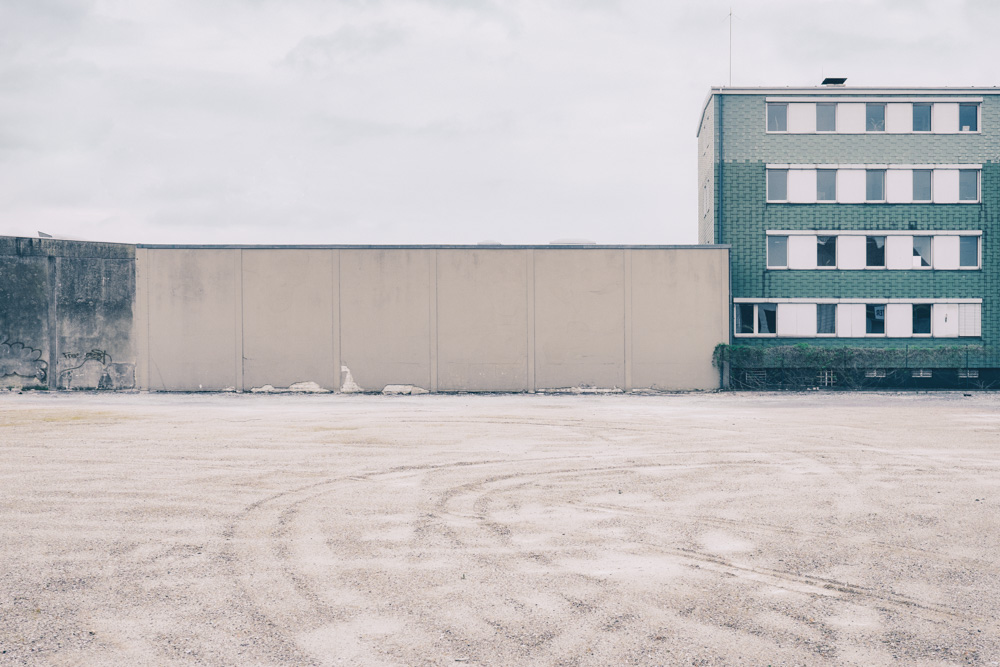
x: 482, y: 320
x: 579, y: 318
x: 191, y: 308
x: 680, y: 312
x: 288, y: 318
x: 384, y: 316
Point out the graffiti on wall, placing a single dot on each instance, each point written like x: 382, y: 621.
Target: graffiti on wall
x: 21, y: 361
x: 95, y: 370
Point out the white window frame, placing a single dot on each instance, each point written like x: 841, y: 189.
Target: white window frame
x: 801, y: 185
x: 826, y: 335
x: 979, y: 254
x: 756, y: 318
x: 768, y: 103
x: 851, y: 258
x: 767, y: 252
x: 850, y: 319
x: 767, y: 186
x: 944, y: 113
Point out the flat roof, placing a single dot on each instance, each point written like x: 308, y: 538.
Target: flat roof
x: 840, y: 90
x: 548, y: 246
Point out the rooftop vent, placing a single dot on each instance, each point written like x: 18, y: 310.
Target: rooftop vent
x: 834, y: 81
x: 572, y: 242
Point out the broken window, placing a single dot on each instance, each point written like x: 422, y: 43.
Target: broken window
x: 767, y: 318
x: 875, y: 252
x: 826, y: 251
x: 922, y: 252
x: 755, y: 318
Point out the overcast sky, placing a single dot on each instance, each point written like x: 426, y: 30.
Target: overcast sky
x: 414, y: 121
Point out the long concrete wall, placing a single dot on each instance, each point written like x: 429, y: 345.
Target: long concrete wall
x: 66, y: 314
x: 434, y: 318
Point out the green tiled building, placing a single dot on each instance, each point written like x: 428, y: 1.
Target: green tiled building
x: 859, y: 218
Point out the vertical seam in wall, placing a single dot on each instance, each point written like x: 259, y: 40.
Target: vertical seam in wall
x: 530, y: 296
x: 149, y: 352
x: 141, y: 316
x: 627, y: 280
x: 52, y: 372
x: 433, y: 318
x: 335, y: 313
x: 238, y: 307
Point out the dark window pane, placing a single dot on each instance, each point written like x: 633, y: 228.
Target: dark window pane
x: 968, y: 251
x: 767, y: 318
x: 875, y: 185
x: 826, y: 318
x: 968, y: 185
x: 921, y: 117
x: 826, y: 117
x: 921, y: 251
x: 968, y: 120
x: 921, y: 185
x: 875, y: 117
x: 777, y: 251
x: 826, y: 185
x: 826, y: 251
x: 777, y: 117
x: 743, y: 318
x: 875, y: 318
x: 875, y: 251
x: 921, y: 318
x: 777, y: 184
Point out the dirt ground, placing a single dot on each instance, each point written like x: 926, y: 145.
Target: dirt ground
x: 739, y: 529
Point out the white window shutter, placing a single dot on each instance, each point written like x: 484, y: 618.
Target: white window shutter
x: 801, y: 251
x: 944, y: 117
x: 802, y: 186
x: 944, y: 187
x: 851, y: 118
x: 806, y: 320
x: 851, y: 251
x: 970, y: 319
x: 945, y: 252
x: 899, y: 186
x: 786, y: 319
x: 899, y: 320
x: 850, y: 320
x: 851, y: 186
x: 944, y: 318
x: 802, y: 117
x: 899, y: 117
x: 898, y: 252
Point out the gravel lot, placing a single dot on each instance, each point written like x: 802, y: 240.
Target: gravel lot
x: 780, y: 529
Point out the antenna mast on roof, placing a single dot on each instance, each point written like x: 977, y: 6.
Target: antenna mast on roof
x: 730, y: 46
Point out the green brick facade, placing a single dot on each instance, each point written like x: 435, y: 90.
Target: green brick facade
x: 733, y: 151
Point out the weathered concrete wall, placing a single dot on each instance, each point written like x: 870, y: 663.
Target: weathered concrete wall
x: 436, y: 318
x: 66, y: 314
